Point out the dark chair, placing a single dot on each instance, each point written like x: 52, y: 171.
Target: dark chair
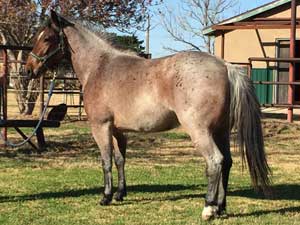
x: 58, y: 112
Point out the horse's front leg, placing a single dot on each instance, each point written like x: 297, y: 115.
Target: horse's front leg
x: 102, y: 133
x: 120, y: 143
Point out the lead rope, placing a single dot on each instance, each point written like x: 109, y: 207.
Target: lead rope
x: 14, y: 145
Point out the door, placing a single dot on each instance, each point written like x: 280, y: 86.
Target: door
x: 283, y: 49
x: 263, y: 92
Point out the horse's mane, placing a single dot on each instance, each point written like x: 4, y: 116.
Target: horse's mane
x: 101, y: 34
x: 95, y: 31
x: 40, y: 28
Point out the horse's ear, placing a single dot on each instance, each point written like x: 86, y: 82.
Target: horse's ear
x: 54, y: 18
x: 58, y: 22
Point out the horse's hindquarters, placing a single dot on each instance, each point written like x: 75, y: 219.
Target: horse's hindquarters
x: 196, y: 87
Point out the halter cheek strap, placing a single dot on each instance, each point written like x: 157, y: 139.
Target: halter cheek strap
x: 61, y: 47
x: 43, y: 59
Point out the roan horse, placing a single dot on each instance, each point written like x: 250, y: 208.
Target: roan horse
x: 124, y: 92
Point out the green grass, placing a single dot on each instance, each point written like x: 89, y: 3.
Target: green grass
x: 165, y: 178
x: 175, y: 135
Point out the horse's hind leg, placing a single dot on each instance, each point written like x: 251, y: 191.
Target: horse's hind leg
x: 207, y: 147
x: 120, y: 143
x: 223, y: 142
x: 102, y: 133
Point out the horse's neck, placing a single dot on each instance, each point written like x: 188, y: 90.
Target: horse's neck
x: 88, y: 52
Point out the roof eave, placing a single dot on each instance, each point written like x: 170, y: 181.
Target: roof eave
x: 209, y: 31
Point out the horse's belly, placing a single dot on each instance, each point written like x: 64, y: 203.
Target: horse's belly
x: 148, y: 120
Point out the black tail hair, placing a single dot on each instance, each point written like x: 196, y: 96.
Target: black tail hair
x: 245, y: 117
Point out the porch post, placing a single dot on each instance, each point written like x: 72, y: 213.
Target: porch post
x: 223, y: 45
x: 291, y: 88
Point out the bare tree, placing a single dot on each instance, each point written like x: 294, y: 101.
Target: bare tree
x: 20, y: 20
x: 186, y: 24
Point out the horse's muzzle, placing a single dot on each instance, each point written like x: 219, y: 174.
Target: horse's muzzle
x: 31, y: 74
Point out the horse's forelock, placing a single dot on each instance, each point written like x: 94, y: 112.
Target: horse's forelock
x: 41, y: 29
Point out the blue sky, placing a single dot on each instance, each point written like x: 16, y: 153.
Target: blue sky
x: 159, y: 38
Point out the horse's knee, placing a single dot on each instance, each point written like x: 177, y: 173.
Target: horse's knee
x: 214, y: 165
x: 106, y: 165
x: 119, y: 155
x: 119, y: 160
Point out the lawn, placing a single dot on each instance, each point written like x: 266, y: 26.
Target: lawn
x: 165, y: 177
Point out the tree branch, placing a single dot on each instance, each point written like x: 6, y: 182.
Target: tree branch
x: 191, y: 18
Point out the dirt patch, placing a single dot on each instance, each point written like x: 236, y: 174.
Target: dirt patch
x: 274, y: 127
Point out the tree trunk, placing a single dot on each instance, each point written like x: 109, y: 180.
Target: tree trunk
x: 31, y: 96
x: 26, y: 91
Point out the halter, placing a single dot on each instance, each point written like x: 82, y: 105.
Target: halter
x: 43, y: 59
x: 14, y: 145
x: 60, y: 47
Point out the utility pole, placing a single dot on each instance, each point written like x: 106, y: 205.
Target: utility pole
x: 147, y: 36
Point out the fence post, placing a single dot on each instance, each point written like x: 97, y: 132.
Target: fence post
x: 80, y: 102
x: 249, y: 68
x: 42, y: 101
x: 3, y: 83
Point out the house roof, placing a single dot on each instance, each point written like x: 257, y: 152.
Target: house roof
x: 251, y: 13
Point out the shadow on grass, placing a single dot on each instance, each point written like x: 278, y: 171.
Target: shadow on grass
x: 280, y: 192
x: 283, y: 192
x: 282, y: 116
x: 143, y: 188
x: 281, y: 211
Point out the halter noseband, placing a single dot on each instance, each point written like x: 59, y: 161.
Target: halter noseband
x: 60, y: 47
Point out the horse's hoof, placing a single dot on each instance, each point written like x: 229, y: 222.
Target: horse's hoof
x: 119, y: 196
x: 209, y: 212
x: 222, y: 213
x: 106, y: 200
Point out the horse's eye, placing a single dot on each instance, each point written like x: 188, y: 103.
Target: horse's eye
x: 47, y: 39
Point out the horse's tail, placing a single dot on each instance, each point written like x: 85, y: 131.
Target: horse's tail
x: 245, y: 117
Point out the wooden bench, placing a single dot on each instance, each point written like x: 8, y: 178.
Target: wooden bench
x: 16, y: 124
x: 56, y: 115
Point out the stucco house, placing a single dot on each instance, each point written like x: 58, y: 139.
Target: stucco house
x: 261, y: 32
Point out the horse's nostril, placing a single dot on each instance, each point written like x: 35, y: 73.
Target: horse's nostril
x: 29, y: 73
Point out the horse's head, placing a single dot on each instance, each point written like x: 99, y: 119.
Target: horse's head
x: 49, y: 48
